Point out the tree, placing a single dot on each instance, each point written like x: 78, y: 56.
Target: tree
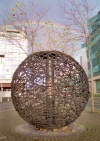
x: 26, y: 21
x: 76, y: 15
x: 56, y: 39
x: 40, y: 36
x: 31, y: 28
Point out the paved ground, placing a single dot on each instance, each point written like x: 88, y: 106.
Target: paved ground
x: 6, y: 106
x: 10, y: 119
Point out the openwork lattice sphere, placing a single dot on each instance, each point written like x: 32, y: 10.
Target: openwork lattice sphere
x: 49, y: 89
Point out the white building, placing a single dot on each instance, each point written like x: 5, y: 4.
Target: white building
x: 83, y: 60
x: 11, y: 55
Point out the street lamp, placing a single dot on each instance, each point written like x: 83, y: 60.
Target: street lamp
x: 1, y: 63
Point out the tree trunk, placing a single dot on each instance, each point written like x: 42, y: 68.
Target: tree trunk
x: 91, y: 75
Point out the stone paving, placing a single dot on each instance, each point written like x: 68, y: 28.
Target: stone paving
x: 10, y: 119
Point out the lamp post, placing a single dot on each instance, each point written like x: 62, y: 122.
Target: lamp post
x: 1, y: 63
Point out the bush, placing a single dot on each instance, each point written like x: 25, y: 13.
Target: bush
x: 96, y: 95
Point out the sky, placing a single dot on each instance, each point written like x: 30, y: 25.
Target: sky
x: 54, y: 13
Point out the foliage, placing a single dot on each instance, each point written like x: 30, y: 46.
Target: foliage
x: 96, y: 95
x: 56, y: 37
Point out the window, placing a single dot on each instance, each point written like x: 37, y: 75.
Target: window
x: 87, y: 53
x: 95, y: 33
x: 98, y: 60
x: 1, y: 66
x: 96, y: 73
x: 98, y: 86
x: 95, y: 48
x: 95, y: 25
x: 2, y: 58
x: 94, y: 62
x: 88, y: 65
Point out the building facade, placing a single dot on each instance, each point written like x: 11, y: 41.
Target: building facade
x: 94, y: 30
x: 83, y: 60
x: 11, y: 55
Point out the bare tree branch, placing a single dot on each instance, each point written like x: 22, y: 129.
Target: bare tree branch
x: 77, y: 15
x: 26, y: 22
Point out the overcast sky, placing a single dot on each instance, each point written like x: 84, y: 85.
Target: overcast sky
x: 54, y: 13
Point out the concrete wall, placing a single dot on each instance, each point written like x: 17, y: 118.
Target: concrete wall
x: 83, y: 60
x: 5, y: 94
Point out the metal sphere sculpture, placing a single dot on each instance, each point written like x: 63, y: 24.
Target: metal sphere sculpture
x: 49, y: 89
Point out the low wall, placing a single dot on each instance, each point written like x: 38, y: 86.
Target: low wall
x: 5, y: 96
x: 5, y: 93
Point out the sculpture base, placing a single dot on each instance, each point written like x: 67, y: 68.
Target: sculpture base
x: 30, y: 130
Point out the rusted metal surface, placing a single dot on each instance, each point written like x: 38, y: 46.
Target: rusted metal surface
x: 49, y: 89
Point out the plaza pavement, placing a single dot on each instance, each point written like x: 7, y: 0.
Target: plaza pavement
x: 9, y: 119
